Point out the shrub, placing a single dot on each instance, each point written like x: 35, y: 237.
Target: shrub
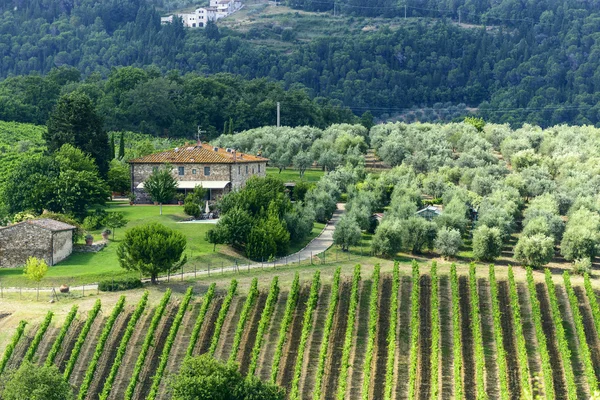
x: 582, y: 266
x: 448, y: 241
x: 34, y: 382
x: 487, y: 243
x: 115, y: 285
x: 534, y: 251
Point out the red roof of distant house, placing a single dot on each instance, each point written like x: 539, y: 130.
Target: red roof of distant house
x: 203, y: 154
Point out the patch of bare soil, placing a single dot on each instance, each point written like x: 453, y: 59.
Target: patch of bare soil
x: 208, y: 327
x: 21, y: 348
x: 87, y: 351
x: 290, y: 351
x: 509, y: 341
x: 492, y: 387
x: 357, y: 357
x: 131, y: 355
x: 467, y: 338
x: 67, y: 345
x: 265, y: 358
x: 424, y: 370
x: 108, y: 355
x: 46, y: 344
x: 380, y: 353
x: 548, y: 328
x: 4, y: 315
x: 249, y: 337
x: 590, y: 330
x: 336, y: 342
x: 229, y: 327
x: 447, y: 340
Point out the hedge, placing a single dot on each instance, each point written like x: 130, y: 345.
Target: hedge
x: 115, y: 285
x: 92, y: 314
x: 285, y: 324
x: 206, y: 300
x: 38, y: 337
x: 11, y: 346
x: 61, y: 336
x: 246, y: 309
x: 222, y: 315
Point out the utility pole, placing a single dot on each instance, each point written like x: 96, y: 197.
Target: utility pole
x: 404, y: 10
x: 278, y: 114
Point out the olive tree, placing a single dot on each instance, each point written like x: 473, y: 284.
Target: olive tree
x: 347, y: 233
x: 388, y: 238
x: 582, y: 235
x: 448, y: 242
x: 487, y: 243
x: 534, y: 251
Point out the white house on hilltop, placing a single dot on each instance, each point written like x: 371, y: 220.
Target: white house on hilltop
x: 199, y: 18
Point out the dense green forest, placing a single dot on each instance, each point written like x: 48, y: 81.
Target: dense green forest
x: 518, y: 62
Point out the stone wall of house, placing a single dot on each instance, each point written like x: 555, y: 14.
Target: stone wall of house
x: 21, y: 241
x: 240, y: 172
x: 62, y: 246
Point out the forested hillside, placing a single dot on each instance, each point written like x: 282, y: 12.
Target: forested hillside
x: 535, y: 62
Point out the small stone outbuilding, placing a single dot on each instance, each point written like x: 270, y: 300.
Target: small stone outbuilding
x: 45, y: 239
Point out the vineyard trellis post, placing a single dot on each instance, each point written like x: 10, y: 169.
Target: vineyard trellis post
x: 208, y: 269
x: 182, y: 273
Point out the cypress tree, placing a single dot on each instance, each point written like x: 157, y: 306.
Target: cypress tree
x: 122, y: 146
x: 231, y: 126
x: 112, y: 145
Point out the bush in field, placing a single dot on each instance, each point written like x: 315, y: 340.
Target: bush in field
x: 487, y: 243
x: 582, y: 266
x: 448, y: 242
x: 115, y: 285
x: 534, y: 251
x: 347, y: 233
x: 36, y: 383
x: 194, y: 202
x: 388, y: 238
x: 204, y: 377
x: 152, y: 249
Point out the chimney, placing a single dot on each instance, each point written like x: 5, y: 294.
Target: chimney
x: 234, y: 156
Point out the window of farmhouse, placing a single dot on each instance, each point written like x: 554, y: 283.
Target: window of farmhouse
x: 206, y: 171
x: 181, y: 170
x: 193, y: 172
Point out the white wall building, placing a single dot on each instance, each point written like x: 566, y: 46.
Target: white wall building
x: 198, y: 19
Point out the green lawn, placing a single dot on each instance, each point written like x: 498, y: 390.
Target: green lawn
x: 293, y: 175
x: 82, y: 268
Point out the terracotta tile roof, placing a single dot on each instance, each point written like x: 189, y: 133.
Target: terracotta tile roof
x: 204, y: 154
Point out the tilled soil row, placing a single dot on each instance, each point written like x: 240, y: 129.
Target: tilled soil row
x: 467, y: 338
x: 131, y: 355
x: 21, y: 348
x: 380, y: 354
x: 68, y: 343
x: 531, y: 343
x: 548, y: 328
x: 234, y: 313
x: 403, y: 345
x: 108, y: 354
x: 446, y: 371
x: 509, y: 341
x: 336, y: 342
x: 265, y: 360
x: 152, y: 358
x: 492, y: 387
x: 424, y: 369
x: 46, y: 344
x: 591, y: 335
x: 290, y: 352
x: 87, y: 351
x: 313, y: 345
x: 208, y: 327
x: 357, y: 358
x: 249, y: 337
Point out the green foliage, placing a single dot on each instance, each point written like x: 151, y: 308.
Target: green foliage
x: 222, y: 315
x: 456, y: 334
x: 164, y: 356
x: 91, y: 370
x: 91, y: 317
x: 582, y: 266
x: 35, y: 269
x: 115, y: 220
x: 161, y: 185
x: 371, y: 332
x: 415, y: 323
x: 307, y: 324
x: 234, y: 227
x: 206, y: 300
x: 263, y: 324
x: 205, y: 378
x: 582, y: 235
x: 477, y: 335
x: 10, y: 348
x: 194, y: 202
x: 116, y: 285
x: 119, y: 177
x: 56, y: 346
x: 347, y: 233
x: 534, y: 251
x: 561, y: 338
x: 286, y: 321
x: 419, y: 234
x: 526, y: 389
x: 148, y: 339
x: 114, y: 369
x: 151, y: 249
x: 39, y: 335
x: 478, y: 123
x: 246, y: 309
x: 435, y: 332
x: 487, y: 243
x: 499, y: 337
x: 33, y: 382
x: 331, y: 309
x: 593, y: 300
x: 388, y: 238
x: 391, y: 337
x: 448, y: 242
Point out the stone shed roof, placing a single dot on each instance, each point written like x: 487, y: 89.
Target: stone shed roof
x: 51, y: 224
x: 200, y: 154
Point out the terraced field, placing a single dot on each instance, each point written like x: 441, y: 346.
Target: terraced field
x: 383, y: 336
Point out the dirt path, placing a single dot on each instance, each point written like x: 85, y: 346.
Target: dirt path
x: 509, y: 341
x: 131, y: 355
x: 590, y: 331
x: 21, y: 348
x: 531, y: 343
x: 153, y: 356
x: 265, y: 359
x: 573, y: 341
x: 467, y: 338
x: 380, y: 353
x: 108, y: 354
x: 229, y: 327
x: 46, y: 344
x: 290, y: 349
x: 403, y: 345
x: 208, y: 327
x: 85, y: 356
x: 313, y: 346
x: 249, y: 337
x: 492, y: 387
x: 424, y: 369
x: 548, y: 327
x: 357, y: 357
x: 68, y: 343
x: 336, y: 342
x: 446, y: 371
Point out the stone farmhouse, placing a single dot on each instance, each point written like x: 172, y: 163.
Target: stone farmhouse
x: 200, y: 16
x: 216, y: 169
x: 45, y: 239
